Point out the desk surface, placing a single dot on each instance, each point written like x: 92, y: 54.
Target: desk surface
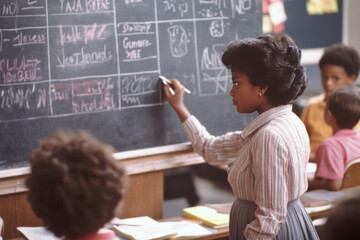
x: 331, y: 197
x: 314, y: 212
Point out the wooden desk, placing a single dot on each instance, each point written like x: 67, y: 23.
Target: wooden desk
x: 144, y: 192
x: 314, y: 213
x: 221, y: 235
x: 323, y: 211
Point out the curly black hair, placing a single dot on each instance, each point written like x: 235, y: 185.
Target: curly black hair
x: 269, y: 61
x: 341, y: 55
x: 75, y: 184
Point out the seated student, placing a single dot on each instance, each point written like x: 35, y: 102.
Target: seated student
x: 343, y: 220
x: 334, y: 153
x: 339, y: 66
x: 75, y: 185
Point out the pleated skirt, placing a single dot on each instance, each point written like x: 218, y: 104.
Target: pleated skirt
x: 297, y: 226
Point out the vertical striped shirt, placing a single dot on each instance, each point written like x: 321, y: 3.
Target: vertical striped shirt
x: 266, y: 164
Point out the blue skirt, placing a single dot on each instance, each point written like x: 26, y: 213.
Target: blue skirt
x: 298, y: 224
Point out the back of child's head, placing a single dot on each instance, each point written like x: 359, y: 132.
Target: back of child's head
x: 75, y: 185
x: 344, y: 104
x: 341, y: 55
x: 343, y: 220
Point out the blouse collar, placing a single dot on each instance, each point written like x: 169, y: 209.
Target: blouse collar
x: 265, y: 118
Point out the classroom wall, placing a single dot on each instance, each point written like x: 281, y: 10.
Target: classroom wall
x: 351, y: 30
x: 351, y: 37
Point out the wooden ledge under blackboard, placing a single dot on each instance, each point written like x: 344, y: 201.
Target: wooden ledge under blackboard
x: 135, y: 162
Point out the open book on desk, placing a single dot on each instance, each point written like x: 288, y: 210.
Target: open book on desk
x: 142, y: 228
x: 41, y: 233
x: 146, y: 228
x: 37, y: 233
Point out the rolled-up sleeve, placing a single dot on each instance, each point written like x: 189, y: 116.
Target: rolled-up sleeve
x: 215, y: 150
x: 271, y: 194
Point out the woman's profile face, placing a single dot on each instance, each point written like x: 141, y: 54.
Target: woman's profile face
x: 245, y: 95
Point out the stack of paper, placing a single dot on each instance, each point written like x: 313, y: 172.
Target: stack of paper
x: 208, y: 216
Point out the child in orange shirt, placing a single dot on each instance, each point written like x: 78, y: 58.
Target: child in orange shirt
x: 339, y: 66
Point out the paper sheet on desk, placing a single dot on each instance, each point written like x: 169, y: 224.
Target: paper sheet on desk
x: 312, y: 202
x: 144, y: 228
x: 37, y: 233
x: 187, y: 230
x: 330, y: 196
x: 150, y: 232
x: 150, y: 229
x: 310, y: 169
x: 41, y: 233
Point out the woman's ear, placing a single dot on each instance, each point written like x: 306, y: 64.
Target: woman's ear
x: 263, y: 90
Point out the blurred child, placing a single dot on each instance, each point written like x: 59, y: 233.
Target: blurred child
x: 1, y: 227
x: 339, y: 66
x: 335, y: 153
x: 343, y: 221
x: 75, y: 185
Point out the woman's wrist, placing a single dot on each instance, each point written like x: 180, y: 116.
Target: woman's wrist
x: 182, y: 112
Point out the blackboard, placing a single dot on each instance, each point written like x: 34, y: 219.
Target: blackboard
x: 313, y: 31
x: 94, y: 65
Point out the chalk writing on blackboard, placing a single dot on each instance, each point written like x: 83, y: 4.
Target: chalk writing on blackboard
x: 94, y: 64
x: 76, y: 46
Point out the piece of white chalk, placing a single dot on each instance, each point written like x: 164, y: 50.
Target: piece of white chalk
x: 165, y: 83
x: 165, y: 80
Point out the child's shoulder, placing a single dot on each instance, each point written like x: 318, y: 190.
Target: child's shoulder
x: 344, y: 136
x: 316, y: 99
x: 315, y: 106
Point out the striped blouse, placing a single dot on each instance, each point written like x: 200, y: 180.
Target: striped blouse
x: 266, y: 164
